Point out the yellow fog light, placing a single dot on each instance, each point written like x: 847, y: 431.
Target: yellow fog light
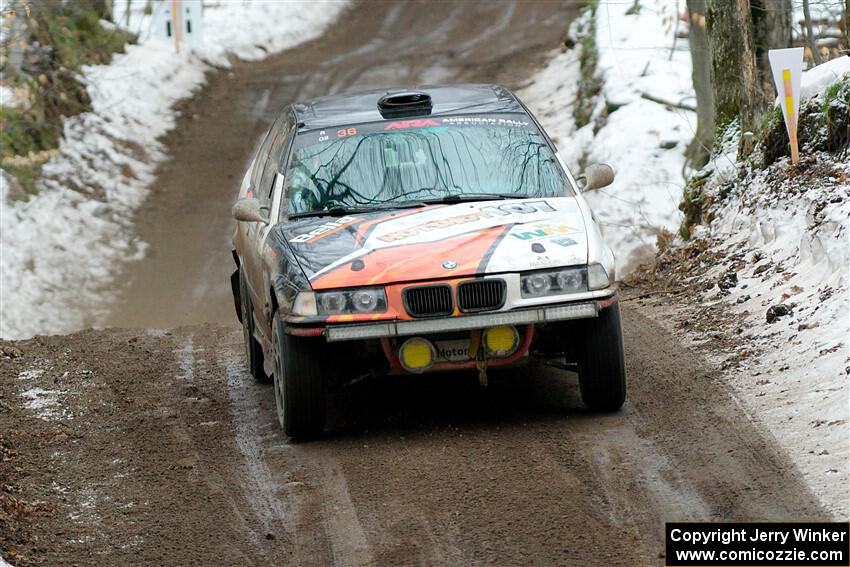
x: 501, y: 341
x: 417, y: 354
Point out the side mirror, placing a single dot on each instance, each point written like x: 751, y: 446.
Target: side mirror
x: 250, y: 210
x: 597, y: 176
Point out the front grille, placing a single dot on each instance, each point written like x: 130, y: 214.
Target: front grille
x: 428, y: 300
x: 481, y: 295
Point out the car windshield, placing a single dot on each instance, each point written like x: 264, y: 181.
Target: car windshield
x: 385, y: 164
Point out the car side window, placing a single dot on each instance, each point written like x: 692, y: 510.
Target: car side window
x: 260, y: 160
x: 277, y: 143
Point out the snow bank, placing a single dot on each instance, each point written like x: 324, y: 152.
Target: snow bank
x: 643, y: 140
x: 796, y: 240
x: 816, y: 80
x: 59, y: 249
x: 784, y: 232
x: 795, y: 243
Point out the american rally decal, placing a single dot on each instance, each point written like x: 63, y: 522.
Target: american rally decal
x: 324, y: 229
x: 496, y: 121
x: 479, y: 237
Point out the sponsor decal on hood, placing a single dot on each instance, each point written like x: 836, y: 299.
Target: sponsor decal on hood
x: 439, y: 241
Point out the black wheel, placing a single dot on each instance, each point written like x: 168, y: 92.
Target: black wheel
x: 601, y: 366
x: 253, y: 350
x: 299, y: 384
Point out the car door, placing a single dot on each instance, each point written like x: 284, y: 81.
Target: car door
x: 247, y: 190
x: 256, y: 233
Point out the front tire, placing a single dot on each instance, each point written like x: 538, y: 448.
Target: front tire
x: 602, y: 368
x: 299, y: 382
x: 253, y: 350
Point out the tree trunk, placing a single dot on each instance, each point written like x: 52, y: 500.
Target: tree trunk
x: 103, y: 8
x: 700, y: 147
x: 733, y: 67
x: 17, y: 39
x: 810, y: 37
x: 847, y: 24
x: 771, y: 30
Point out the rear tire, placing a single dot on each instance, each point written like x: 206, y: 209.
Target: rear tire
x: 602, y: 369
x: 299, y: 382
x: 253, y: 350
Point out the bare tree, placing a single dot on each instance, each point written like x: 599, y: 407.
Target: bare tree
x: 810, y: 37
x: 700, y: 147
x: 847, y: 23
x: 733, y: 66
x: 771, y: 30
x: 16, y: 42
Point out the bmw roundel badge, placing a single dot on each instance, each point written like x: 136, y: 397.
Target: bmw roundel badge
x: 450, y: 264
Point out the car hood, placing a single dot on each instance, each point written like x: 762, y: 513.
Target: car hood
x: 439, y: 241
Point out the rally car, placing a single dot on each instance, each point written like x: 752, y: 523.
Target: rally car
x: 411, y: 231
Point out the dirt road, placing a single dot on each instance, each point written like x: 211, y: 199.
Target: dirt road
x: 155, y: 447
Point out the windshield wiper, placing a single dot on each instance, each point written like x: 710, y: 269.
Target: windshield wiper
x: 340, y: 211
x: 466, y: 197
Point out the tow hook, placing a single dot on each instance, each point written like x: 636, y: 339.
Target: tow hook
x: 476, y: 345
x: 481, y: 365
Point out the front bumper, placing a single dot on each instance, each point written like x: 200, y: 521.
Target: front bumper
x: 535, y: 315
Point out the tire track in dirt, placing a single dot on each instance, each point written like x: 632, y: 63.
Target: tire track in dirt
x: 347, y: 539
x: 260, y: 487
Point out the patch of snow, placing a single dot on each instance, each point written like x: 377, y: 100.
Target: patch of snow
x: 186, y: 360
x: 44, y: 403
x: 817, y: 79
x: 30, y: 374
x: 58, y: 251
x: 7, y: 96
x: 4, y: 564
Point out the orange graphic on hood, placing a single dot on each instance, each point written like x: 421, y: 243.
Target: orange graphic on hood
x: 422, y: 261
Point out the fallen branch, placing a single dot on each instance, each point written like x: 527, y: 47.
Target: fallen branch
x: 679, y: 105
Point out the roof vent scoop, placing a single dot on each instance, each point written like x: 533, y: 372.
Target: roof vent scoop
x: 403, y: 104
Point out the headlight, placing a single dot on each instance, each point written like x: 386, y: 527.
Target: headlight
x: 556, y: 282
x: 537, y: 284
x: 332, y: 303
x: 597, y: 277
x: 364, y: 300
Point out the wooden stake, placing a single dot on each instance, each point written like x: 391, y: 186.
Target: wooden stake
x: 792, y: 118
x: 177, y: 22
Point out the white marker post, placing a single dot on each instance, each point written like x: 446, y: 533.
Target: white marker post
x: 180, y: 21
x: 787, y: 68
